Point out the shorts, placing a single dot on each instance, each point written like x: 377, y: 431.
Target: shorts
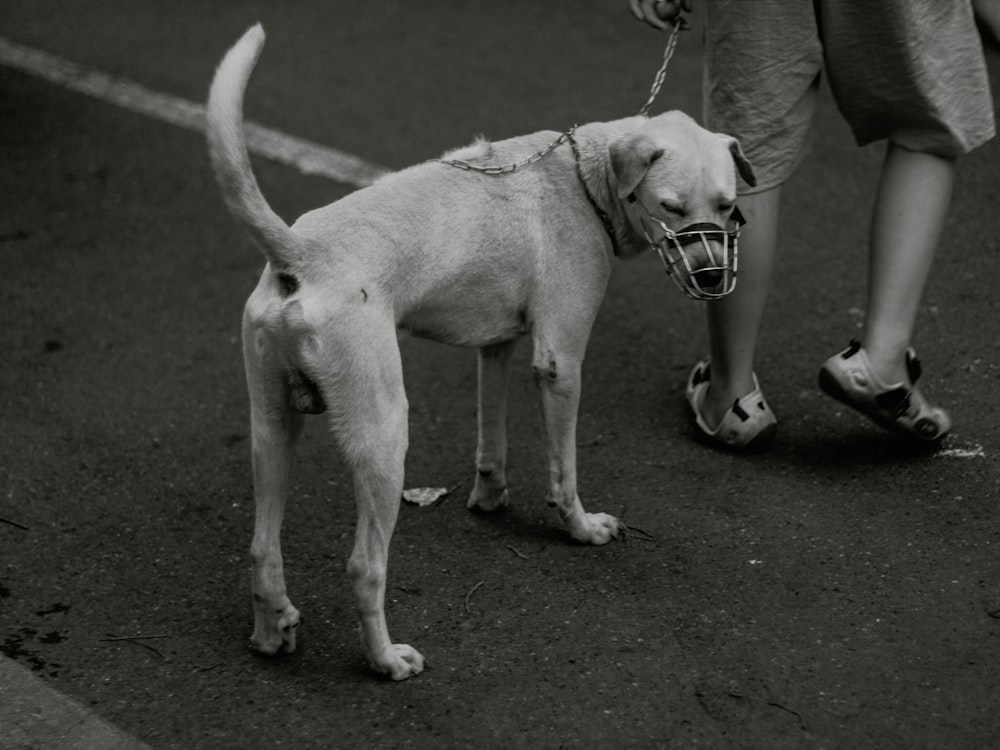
x: 911, y: 71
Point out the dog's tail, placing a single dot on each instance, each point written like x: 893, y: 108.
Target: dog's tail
x: 227, y: 148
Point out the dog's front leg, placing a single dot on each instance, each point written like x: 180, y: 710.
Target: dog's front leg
x: 558, y: 378
x: 490, y: 490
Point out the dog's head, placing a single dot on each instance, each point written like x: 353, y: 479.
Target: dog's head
x: 677, y: 181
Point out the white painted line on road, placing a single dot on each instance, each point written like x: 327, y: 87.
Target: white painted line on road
x: 306, y: 156
x: 975, y: 451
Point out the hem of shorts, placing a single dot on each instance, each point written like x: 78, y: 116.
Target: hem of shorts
x: 761, y: 187
x: 961, y: 148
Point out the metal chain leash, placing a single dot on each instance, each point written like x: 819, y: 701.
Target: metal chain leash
x: 661, y: 75
x: 505, y: 168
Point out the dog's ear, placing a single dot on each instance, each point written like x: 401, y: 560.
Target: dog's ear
x: 743, y: 165
x: 631, y: 156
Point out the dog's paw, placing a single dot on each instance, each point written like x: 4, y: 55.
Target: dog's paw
x: 597, y: 528
x: 488, y: 499
x: 400, y: 662
x: 275, y: 630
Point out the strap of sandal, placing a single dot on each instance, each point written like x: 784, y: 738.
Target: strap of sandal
x: 701, y: 375
x: 913, y: 366
x: 896, y: 401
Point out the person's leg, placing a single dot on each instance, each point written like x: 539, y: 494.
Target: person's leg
x: 748, y: 62
x: 734, y: 320
x: 910, y: 210
x: 916, y: 78
x: 874, y: 375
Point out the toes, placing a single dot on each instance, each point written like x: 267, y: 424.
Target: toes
x: 413, y: 658
x: 599, y: 528
x: 605, y: 528
x: 403, y: 662
x: 279, y: 635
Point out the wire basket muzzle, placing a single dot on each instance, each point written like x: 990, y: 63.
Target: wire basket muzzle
x: 701, y: 258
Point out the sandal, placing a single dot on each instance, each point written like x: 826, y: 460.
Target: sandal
x: 902, y: 408
x: 749, y: 425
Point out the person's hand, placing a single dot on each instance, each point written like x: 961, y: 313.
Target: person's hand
x: 661, y: 14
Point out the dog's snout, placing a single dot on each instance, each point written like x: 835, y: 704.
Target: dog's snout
x: 710, y: 278
x: 705, y: 255
x: 708, y: 264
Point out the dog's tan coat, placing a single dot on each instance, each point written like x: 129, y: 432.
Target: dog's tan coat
x: 451, y: 255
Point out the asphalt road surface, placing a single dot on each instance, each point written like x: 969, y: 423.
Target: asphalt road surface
x: 838, y: 591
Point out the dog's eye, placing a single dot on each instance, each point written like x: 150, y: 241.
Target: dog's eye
x: 672, y: 208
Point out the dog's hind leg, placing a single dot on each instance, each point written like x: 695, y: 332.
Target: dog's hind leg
x: 369, y: 418
x: 557, y: 375
x: 275, y: 427
x: 490, y: 490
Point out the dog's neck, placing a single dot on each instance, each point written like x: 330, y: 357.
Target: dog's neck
x: 590, y: 147
x: 609, y: 227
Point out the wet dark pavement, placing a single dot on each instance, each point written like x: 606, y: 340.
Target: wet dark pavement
x: 838, y: 591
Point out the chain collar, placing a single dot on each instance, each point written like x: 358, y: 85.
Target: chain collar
x: 601, y: 213
x: 500, y: 169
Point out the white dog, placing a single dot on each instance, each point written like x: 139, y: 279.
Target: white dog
x: 462, y: 258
